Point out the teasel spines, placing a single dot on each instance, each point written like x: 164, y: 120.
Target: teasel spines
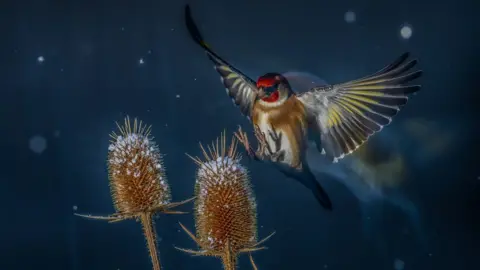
x: 225, y: 206
x: 138, y: 182
x: 136, y: 171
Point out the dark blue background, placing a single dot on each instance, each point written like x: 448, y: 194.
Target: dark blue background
x: 92, y: 77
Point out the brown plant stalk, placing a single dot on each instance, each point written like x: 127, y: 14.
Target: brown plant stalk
x: 225, y: 207
x: 138, y: 182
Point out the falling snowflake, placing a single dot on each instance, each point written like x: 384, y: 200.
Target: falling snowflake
x: 350, y: 16
x: 40, y: 59
x: 406, y: 32
x: 37, y: 144
x: 177, y: 96
x: 141, y: 61
x: 56, y: 133
x: 75, y: 208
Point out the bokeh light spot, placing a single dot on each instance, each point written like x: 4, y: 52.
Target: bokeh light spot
x: 37, y: 144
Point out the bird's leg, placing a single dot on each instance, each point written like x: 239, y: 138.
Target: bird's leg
x: 243, y: 139
x: 263, y: 148
x: 278, y: 154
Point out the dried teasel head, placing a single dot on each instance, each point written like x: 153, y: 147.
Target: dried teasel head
x: 136, y: 172
x: 137, y: 182
x: 225, y: 207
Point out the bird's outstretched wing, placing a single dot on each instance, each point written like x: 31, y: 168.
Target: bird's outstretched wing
x: 239, y: 87
x: 347, y: 114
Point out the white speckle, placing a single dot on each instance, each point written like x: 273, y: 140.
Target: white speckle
x: 350, y: 16
x: 37, y: 144
x: 429, y: 254
x: 194, y: 79
x: 325, y: 266
x: 172, y: 29
x: 56, y: 133
x: 211, y: 240
x: 75, y: 208
x: 177, y: 96
x: 141, y: 61
x: 40, y: 59
x: 120, y: 154
x: 149, y: 52
x: 398, y: 264
x: 61, y: 70
x: 122, y: 28
x: 406, y: 32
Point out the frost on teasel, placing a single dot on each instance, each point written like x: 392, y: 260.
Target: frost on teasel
x: 136, y: 171
x: 137, y: 181
x: 225, y: 207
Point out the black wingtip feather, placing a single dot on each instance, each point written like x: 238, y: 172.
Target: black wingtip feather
x: 400, y: 60
x: 192, y: 27
x: 406, y: 78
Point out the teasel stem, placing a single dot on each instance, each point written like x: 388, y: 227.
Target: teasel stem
x: 229, y: 262
x: 229, y: 259
x: 151, y: 237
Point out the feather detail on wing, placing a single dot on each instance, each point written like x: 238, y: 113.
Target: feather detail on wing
x: 240, y: 88
x: 347, y: 114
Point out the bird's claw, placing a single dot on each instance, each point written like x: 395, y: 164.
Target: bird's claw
x: 251, y: 154
x: 263, y: 146
x: 243, y: 139
x: 264, y: 149
x: 277, y: 156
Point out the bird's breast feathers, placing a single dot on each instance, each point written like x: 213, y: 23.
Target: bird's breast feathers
x: 289, y: 120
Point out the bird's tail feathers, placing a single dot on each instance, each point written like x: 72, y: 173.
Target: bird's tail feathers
x: 307, y: 179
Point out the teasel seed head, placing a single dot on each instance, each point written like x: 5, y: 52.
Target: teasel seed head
x: 225, y: 207
x: 137, y: 175
x: 137, y: 182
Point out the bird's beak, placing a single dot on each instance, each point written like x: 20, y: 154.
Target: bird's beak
x: 261, y: 93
